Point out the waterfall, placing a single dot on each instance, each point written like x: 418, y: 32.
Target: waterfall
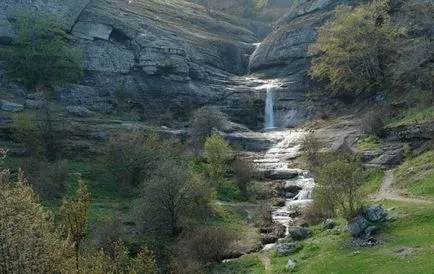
x: 269, y: 109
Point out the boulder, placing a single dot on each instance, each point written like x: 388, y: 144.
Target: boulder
x: 328, y: 224
x: 357, y: 225
x: 79, y: 111
x: 10, y: 106
x: 370, y: 230
x: 389, y: 158
x: 374, y: 213
x: 34, y: 104
x: 286, y: 249
x: 290, y: 264
x: 299, y: 233
x: 268, y: 239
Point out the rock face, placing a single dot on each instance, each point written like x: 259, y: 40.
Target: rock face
x: 10, y: 106
x: 284, y: 54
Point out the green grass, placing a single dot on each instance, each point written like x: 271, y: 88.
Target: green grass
x: 246, y: 264
x: 369, y: 143
x: 414, y: 116
x: 416, y: 175
x: 323, y: 253
x: 373, y: 182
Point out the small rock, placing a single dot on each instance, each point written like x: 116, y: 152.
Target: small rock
x: 403, y: 252
x: 370, y: 230
x: 10, y: 106
x: 291, y: 264
x: 34, y: 104
x: 357, y: 225
x: 268, y: 239
x: 328, y: 224
x: 286, y: 249
x: 299, y: 233
x: 79, y: 111
x: 374, y: 213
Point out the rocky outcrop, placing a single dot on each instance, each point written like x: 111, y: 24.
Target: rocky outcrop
x: 286, y: 249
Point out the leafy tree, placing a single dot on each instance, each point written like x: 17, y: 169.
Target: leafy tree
x: 217, y: 154
x: 75, y: 211
x: 338, y: 187
x: 29, y: 240
x: 172, y: 197
x: 352, y: 49
x: 203, y: 122
x: 40, y: 55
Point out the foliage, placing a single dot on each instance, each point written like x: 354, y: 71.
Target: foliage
x: 414, y: 116
x: 217, y: 154
x: 204, y: 120
x: 372, y: 123
x: 40, y: 55
x: 352, y: 49
x: 133, y: 156
x: 172, y: 197
x: 338, y: 187
x: 75, y: 211
x: 29, y: 241
x: 374, y: 180
x: 368, y: 142
x: 311, y: 146
x: 27, y: 132
x: 205, y: 244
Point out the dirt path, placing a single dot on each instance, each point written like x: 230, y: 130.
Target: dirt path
x: 387, y: 192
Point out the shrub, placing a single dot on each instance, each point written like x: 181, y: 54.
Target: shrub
x: 203, y: 122
x: 133, y: 156
x: 50, y: 179
x: 172, y: 197
x: 40, y: 55
x: 338, y: 187
x: 311, y: 146
x: 352, y: 49
x: 27, y: 132
x: 316, y: 213
x: 244, y: 173
x: 217, y: 154
x: 372, y: 123
x: 205, y: 244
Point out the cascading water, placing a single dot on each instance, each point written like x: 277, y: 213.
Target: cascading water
x: 269, y: 109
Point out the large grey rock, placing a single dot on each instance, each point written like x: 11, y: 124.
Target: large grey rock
x: 90, y: 30
x: 357, y: 225
x: 34, y: 104
x: 10, y: 106
x: 374, y: 213
x: 286, y: 249
x: 79, y: 111
x: 389, y: 158
x: 299, y: 233
x: 7, y: 34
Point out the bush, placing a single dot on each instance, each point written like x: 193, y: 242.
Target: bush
x: 338, y: 187
x: 40, y: 55
x: 203, y: 122
x: 372, y: 123
x: 217, y: 154
x: 133, y: 156
x: 316, y: 213
x: 205, y: 244
x: 311, y: 146
x: 353, y: 48
x: 173, y: 198
x: 244, y: 173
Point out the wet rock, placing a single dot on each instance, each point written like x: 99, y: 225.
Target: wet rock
x: 280, y: 174
x: 370, y: 230
x: 290, y: 264
x: 10, y: 106
x: 34, y: 104
x: 357, y: 225
x: 286, y: 249
x: 79, y: 111
x: 374, y: 213
x: 299, y: 233
x: 268, y: 239
x: 279, y: 202
x: 328, y: 224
